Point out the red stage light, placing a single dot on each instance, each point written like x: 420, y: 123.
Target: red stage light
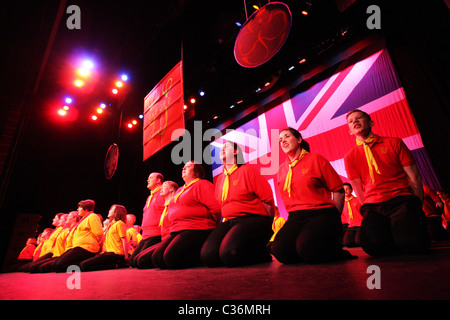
x: 94, y: 117
x: 66, y: 108
x: 62, y: 112
x: 130, y: 125
x: 78, y: 83
x: 115, y: 91
x: 193, y: 100
x: 134, y: 122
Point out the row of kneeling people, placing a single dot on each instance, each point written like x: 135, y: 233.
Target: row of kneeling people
x: 231, y: 222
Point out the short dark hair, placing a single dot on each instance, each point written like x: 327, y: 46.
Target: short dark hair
x: 239, y: 156
x: 348, y: 185
x: 365, y: 114
x: 199, y: 171
x: 88, y: 204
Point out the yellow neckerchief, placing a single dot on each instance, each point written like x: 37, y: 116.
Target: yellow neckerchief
x: 288, y: 181
x: 369, y: 155
x: 164, y: 213
x: 184, y: 188
x: 350, y: 212
x: 152, y: 192
x: 226, y: 182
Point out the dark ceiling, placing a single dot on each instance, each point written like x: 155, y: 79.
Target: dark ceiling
x: 53, y: 163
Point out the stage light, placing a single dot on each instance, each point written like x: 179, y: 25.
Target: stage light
x: 185, y: 107
x: 302, y: 61
x: 130, y: 125
x: 238, y: 24
x: 193, y: 100
x: 216, y: 117
x: 124, y: 77
x: 305, y: 12
x: 255, y: 7
x: 201, y: 93
x: 141, y: 116
x: 134, y: 122
x: 62, y: 112
x: 115, y: 91
x: 84, y: 72
x: 102, y: 105
x: 87, y: 64
x: 68, y: 100
x: 291, y: 68
x: 78, y: 83
x: 99, y: 110
x: 119, y: 84
x: 66, y: 108
x: 94, y: 117
x: 232, y: 106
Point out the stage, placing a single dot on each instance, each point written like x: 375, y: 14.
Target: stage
x: 406, y: 277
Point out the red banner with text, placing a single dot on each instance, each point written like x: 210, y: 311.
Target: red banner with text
x: 163, y: 112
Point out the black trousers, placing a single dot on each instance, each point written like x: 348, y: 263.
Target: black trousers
x: 311, y: 236
x: 180, y: 249
x: 394, y: 226
x: 103, y: 261
x: 237, y: 242
x: 72, y: 256
x: 143, y: 244
x: 352, y: 237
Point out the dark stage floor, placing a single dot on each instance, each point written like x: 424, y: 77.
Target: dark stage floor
x: 400, y: 278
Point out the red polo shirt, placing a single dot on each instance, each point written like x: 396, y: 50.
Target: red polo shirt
x: 391, y: 155
x: 354, y: 221
x: 313, y: 180
x: 151, y: 216
x: 194, y: 208
x: 247, y: 192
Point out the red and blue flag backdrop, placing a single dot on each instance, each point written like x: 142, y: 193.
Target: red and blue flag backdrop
x: 319, y: 113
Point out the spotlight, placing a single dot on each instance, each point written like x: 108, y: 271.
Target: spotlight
x: 94, y: 117
x: 115, y: 91
x: 193, y: 100
x: 134, y: 122
x: 119, y: 84
x: 185, y: 107
x: 141, y: 116
x: 302, y: 61
x: 68, y: 100
x: 102, y: 105
x: 201, y: 93
x: 130, y: 125
x: 62, y: 112
x: 84, y: 72
x: 99, y: 110
x: 255, y: 7
x: 66, y: 108
x: 238, y: 24
x: 78, y: 83
x: 87, y: 64
x: 305, y: 12
x: 124, y: 77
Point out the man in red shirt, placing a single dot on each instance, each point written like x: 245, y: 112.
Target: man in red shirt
x: 387, y: 182
x: 153, y: 208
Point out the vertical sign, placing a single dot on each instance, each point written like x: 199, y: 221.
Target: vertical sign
x: 163, y: 112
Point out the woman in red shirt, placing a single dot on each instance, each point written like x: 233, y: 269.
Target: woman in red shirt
x: 306, y: 181
x: 193, y: 213
x: 247, y: 207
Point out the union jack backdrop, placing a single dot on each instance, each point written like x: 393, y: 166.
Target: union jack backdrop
x: 371, y: 85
